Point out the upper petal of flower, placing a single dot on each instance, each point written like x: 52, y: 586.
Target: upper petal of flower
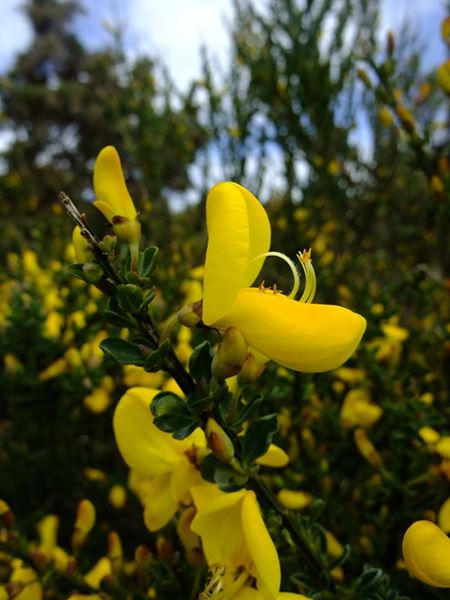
x: 426, y: 550
x: 218, y: 522
x: 144, y: 447
x: 305, y: 337
x: 112, y: 196
x: 238, y: 231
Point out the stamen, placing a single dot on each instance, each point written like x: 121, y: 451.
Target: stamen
x: 232, y: 590
x: 292, y: 266
x: 310, y: 276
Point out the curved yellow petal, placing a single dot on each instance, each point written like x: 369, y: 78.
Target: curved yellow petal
x: 218, y: 523
x: 274, y: 457
x: 160, y: 506
x: 143, y: 446
x: 238, y: 231
x: 110, y: 187
x: 261, y: 547
x: 305, y: 337
x: 184, y: 475
x: 426, y: 551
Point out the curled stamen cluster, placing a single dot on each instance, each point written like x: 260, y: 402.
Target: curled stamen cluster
x: 310, y: 276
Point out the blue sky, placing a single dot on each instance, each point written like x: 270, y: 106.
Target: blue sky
x: 174, y: 30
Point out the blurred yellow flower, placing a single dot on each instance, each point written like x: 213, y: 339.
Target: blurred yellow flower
x: 298, y: 335
x: 426, y: 551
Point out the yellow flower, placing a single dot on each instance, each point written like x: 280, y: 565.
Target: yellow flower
x: 235, y: 537
x: 298, y: 335
x: 113, y: 198
x: 426, y: 551
x: 168, y: 464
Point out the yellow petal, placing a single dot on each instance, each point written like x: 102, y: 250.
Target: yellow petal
x: 160, y: 506
x: 426, y: 551
x: 444, y: 516
x: 274, y: 457
x: 110, y: 187
x: 261, y: 547
x: 305, y: 337
x: 143, y: 446
x: 101, y: 569
x: 218, y: 523
x: 32, y: 588
x: 184, y: 475
x: 294, y: 499
x: 238, y: 231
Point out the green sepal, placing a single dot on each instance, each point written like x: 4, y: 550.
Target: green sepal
x: 228, y: 479
x: 130, y: 297
x: 200, y: 361
x: 172, y: 416
x: 258, y: 437
x: 156, y: 360
x: 208, y: 467
x: 122, y: 351
x: 147, y: 261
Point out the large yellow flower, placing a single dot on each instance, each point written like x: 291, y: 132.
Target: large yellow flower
x: 237, y: 546
x: 297, y: 334
x: 167, y: 464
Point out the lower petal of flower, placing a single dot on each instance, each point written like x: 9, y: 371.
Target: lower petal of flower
x: 305, y: 337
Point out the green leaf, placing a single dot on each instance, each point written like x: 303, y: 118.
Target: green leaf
x: 122, y: 351
x: 208, y: 467
x: 130, y: 297
x: 156, y: 360
x: 247, y: 406
x: 117, y: 319
x: 200, y: 361
x: 147, y: 261
x: 77, y: 271
x: 172, y: 416
x: 258, y: 437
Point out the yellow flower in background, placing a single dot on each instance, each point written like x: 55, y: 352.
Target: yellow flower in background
x: 80, y: 246
x: 167, y: 465
x: 113, y: 198
x: 426, y: 551
x: 235, y: 539
x: 298, y: 335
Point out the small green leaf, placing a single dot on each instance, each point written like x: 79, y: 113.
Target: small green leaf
x: 130, y: 297
x: 258, y: 437
x: 77, y: 271
x: 117, y: 319
x: 171, y: 415
x: 147, y: 261
x: 156, y: 360
x: 122, y: 351
x: 208, y: 467
x: 200, y: 361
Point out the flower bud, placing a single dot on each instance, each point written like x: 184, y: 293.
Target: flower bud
x: 364, y: 78
x: 191, y: 314
x: 445, y: 30
x: 390, y: 43
x: 218, y: 441
x: 253, y: 366
x: 385, y: 117
x: 84, y: 522
x: 406, y: 117
x: 115, y: 553
x: 230, y: 355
